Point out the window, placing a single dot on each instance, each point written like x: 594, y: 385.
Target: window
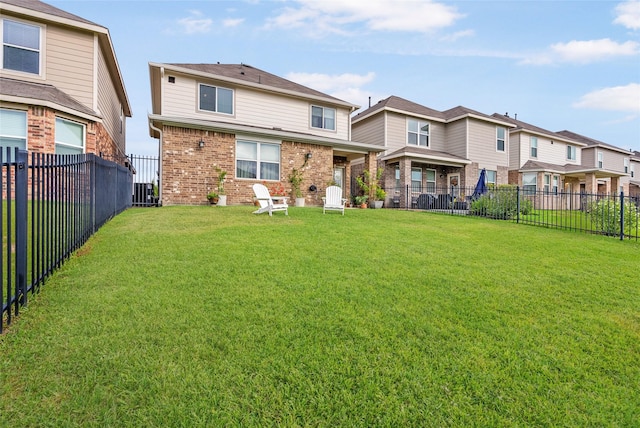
x: 260, y: 161
x: 547, y: 184
x: 431, y: 180
x: 626, y: 165
x: 600, y: 160
x: 500, y: 138
x: 398, y: 177
x: 13, y: 131
x: 571, y: 152
x: 529, y: 183
x: 417, y: 133
x: 491, y: 177
x: 69, y: 137
x: 556, y: 184
x: 323, y: 118
x: 633, y: 170
x: 20, y: 47
x: 416, y: 180
x: 533, y: 141
x: 216, y: 99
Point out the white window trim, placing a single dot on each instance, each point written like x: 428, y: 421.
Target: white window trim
x: 335, y: 118
x: 504, y: 140
x: 421, y: 123
x: 84, y: 135
x: 259, y: 142
x: 626, y: 165
x: 486, y: 177
x: 16, y: 137
x: 435, y: 181
x: 574, y: 152
x: 233, y: 100
x: 41, y: 50
x: 416, y: 169
x: 600, y: 160
x: 533, y: 145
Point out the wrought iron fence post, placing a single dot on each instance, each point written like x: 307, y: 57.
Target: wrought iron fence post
x: 22, y: 183
x: 517, y: 204
x: 622, y: 215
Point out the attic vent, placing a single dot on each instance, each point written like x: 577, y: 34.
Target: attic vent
x: 172, y: 79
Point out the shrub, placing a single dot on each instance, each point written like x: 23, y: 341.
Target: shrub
x: 605, y: 215
x: 501, y: 202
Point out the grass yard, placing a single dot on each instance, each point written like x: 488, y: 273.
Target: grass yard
x: 211, y: 316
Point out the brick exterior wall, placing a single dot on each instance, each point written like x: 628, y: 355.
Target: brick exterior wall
x: 188, y: 171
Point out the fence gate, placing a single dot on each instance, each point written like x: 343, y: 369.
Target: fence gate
x: 145, y: 180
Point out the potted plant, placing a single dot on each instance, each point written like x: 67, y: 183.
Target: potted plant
x: 295, y: 178
x: 361, y: 201
x: 370, y: 186
x: 222, y: 196
x: 213, y: 198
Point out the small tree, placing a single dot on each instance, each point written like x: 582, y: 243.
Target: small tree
x: 222, y: 174
x: 295, y: 178
x: 370, y: 185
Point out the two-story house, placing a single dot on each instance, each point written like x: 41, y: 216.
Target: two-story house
x: 634, y: 176
x: 61, y: 90
x: 430, y: 151
x: 254, y: 125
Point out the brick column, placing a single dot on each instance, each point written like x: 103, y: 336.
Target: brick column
x: 615, y: 185
x: 591, y: 185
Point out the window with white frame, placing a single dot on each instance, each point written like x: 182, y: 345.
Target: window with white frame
x: 398, y: 177
x: 533, y: 141
x: 491, y: 177
x: 571, y: 152
x: 69, y: 137
x: 260, y: 161
x: 215, y: 99
x: 430, y: 178
x: 633, y: 170
x: 20, y: 46
x: 501, y: 134
x: 323, y: 118
x: 626, y: 165
x: 555, y: 184
x: 417, y: 132
x: 547, y: 184
x: 13, y: 130
x: 600, y: 160
x: 416, y: 180
x: 529, y: 183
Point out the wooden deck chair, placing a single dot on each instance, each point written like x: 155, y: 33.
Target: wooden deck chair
x: 333, y: 200
x: 266, y: 201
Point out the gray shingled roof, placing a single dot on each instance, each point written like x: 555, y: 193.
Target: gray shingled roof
x: 42, y: 92
x: 520, y: 125
x: 412, y: 150
x: 398, y: 103
x: 252, y: 74
x: 39, y: 6
x: 589, y: 141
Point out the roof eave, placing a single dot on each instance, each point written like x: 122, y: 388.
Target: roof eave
x: 51, y: 105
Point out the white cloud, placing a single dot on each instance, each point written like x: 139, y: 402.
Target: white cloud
x: 196, y: 23
x: 232, y: 22
x: 457, y: 35
x: 584, y: 52
x: 617, y: 98
x: 325, y: 17
x: 628, y: 14
x: 346, y: 86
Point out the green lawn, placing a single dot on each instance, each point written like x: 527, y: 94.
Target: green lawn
x: 212, y: 316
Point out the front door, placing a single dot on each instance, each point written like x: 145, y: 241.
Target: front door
x: 338, y: 176
x: 454, y: 184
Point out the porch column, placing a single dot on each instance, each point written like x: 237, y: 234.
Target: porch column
x: 590, y: 183
x: 615, y: 185
x: 371, y: 165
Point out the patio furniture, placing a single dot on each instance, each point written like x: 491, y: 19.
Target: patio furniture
x: 266, y: 201
x: 333, y: 201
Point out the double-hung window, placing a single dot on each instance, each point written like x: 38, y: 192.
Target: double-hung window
x: 555, y: 185
x: 20, y: 46
x: 417, y: 133
x: 547, y: 184
x: 529, y: 183
x: 13, y: 130
x: 416, y: 180
x: 600, y: 160
x: 216, y: 99
x: 501, y: 135
x: 626, y: 165
x: 491, y: 177
x: 69, y: 137
x: 260, y: 161
x: 534, y: 146
x: 633, y: 170
x: 323, y: 118
x: 571, y: 153
x: 430, y: 178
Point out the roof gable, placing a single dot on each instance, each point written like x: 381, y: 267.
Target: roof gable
x: 38, y: 6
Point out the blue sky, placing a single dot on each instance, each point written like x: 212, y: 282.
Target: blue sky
x: 558, y: 65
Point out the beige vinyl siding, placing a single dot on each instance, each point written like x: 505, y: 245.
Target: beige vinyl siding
x: 251, y: 107
x: 396, y: 131
x: 482, y: 144
x: 456, y: 137
x: 437, y: 136
x: 370, y: 130
x: 69, y: 63
x: 515, y: 150
x: 613, y: 161
x: 109, y: 105
x: 589, y: 157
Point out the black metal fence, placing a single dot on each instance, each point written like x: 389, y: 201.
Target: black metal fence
x: 146, y: 178
x: 51, y: 205
x: 607, y: 214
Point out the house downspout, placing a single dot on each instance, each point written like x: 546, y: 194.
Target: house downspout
x: 159, y: 131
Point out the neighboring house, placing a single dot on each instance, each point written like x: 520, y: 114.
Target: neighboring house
x: 256, y: 126
x: 556, y: 162
x: 431, y: 151
x: 634, y: 176
x: 61, y: 90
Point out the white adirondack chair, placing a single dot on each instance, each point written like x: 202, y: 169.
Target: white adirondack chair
x: 333, y: 200
x: 266, y: 201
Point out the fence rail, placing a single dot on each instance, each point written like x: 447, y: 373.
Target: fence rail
x: 51, y: 205
x: 607, y: 214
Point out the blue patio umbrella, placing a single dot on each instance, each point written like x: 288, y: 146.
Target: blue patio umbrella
x: 481, y: 187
